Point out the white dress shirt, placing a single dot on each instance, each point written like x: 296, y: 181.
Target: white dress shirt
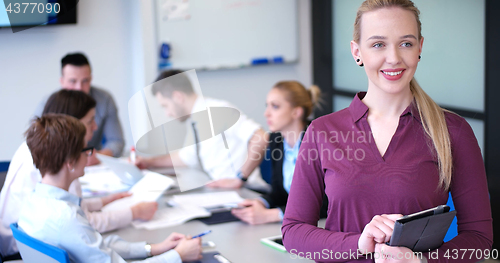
x: 218, y: 161
x: 54, y: 216
x: 20, y: 182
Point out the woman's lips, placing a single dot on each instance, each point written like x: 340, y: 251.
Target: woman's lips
x: 393, y: 74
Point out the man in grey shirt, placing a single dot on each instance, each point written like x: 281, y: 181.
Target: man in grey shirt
x: 76, y: 75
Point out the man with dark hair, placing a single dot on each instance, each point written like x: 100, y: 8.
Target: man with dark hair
x: 230, y: 167
x: 76, y: 75
x: 180, y: 83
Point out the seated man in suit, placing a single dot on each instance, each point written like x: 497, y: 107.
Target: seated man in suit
x: 245, y: 138
x: 76, y: 75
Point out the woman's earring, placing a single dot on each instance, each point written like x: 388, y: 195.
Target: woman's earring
x: 357, y: 60
x: 419, y: 57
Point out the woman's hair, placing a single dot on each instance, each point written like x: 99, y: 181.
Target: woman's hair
x: 70, y: 102
x: 298, y: 96
x: 54, y: 139
x: 432, y: 116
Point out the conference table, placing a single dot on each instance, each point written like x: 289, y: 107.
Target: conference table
x: 236, y: 241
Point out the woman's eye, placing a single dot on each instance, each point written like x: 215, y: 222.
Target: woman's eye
x: 377, y: 45
x: 276, y: 107
x: 407, y: 44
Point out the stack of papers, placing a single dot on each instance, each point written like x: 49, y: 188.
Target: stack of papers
x: 148, y: 189
x: 172, y: 216
x: 187, y: 207
x: 208, y: 200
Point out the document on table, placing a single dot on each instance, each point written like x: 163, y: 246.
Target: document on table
x: 148, y: 189
x: 208, y: 200
x: 187, y: 207
x: 100, y: 180
x: 171, y: 216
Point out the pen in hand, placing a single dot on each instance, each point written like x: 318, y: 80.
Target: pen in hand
x: 202, y: 234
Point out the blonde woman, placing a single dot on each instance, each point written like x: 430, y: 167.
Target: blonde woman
x: 288, y: 106
x: 393, y: 151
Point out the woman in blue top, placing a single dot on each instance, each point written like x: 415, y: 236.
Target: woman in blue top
x: 288, y: 107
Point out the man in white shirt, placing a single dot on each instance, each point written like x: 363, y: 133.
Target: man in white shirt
x: 232, y: 160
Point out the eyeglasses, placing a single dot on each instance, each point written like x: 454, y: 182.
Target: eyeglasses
x: 88, y: 151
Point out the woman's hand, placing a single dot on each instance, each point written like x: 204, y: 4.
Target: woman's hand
x: 385, y: 253
x: 170, y: 242
x: 189, y: 249
x: 110, y: 198
x: 256, y: 213
x: 379, y: 230
x: 144, y: 210
x: 230, y: 183
x: 141, y: 162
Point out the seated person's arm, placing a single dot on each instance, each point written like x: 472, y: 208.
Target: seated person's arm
x: 159, y: 161
x: 106, y: 151
x: 111, y: 220
x: 256, y: 150
x: 256, y: 213
x: 112, y: 131
x: 186, y: 248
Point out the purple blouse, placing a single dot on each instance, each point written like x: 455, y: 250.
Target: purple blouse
x: 339, y: 157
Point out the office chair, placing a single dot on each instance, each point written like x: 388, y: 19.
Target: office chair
x: 4, y: 166
x: 34, y: 250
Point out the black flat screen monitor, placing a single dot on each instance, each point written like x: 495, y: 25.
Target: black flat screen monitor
x: 39, y: 12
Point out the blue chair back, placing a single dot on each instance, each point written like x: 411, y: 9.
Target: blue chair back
x: 34, y: 250
x: 4, y: 166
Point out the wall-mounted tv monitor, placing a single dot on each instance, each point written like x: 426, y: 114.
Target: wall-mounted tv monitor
x: 39, y: 12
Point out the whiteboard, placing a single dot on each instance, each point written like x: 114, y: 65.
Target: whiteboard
x: 214, y: 34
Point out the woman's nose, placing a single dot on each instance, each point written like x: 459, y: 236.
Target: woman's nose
x: 393, y: 56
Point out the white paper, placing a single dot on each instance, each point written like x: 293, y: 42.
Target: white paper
x: 208, y: 200
x: 172, y: 216
x: 148, y: 189
x: 99, y: 181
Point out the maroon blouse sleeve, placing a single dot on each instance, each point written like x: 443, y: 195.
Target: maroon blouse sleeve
x: 300, y: 231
